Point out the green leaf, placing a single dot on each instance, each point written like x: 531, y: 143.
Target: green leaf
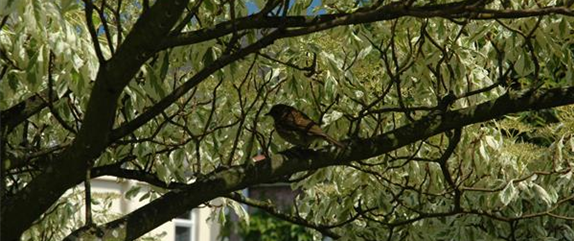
x: 164, y: 66
x: 163, y: 173
x: 133, y: 192
x: 145, y: 196
x: 210, y: 56
x: 154, y: 85
x: 542, y: 194
x: 508, y: 194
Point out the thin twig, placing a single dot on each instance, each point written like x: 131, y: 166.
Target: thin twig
x: 92, y: 29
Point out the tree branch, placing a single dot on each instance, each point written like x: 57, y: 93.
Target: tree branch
x: 362, y: 15
x: 89, y: 9
x: 306, y: 25
x: 68, y: 168
x: 18, y: 113
x: 235, y: 178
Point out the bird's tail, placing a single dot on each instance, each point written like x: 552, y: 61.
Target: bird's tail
x: 333, y: 141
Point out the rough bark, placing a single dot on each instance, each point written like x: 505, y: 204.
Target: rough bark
x: 68, y: 169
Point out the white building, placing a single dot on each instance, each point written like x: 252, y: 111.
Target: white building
x: 191, y: 226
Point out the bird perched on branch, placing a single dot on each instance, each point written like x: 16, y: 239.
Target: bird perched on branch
x: 296, y: 128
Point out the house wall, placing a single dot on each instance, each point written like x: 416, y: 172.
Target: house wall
x: 203, y: 230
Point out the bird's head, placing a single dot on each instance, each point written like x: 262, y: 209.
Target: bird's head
x: 279, y: 110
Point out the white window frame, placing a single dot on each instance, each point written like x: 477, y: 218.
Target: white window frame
x: 187, y: 223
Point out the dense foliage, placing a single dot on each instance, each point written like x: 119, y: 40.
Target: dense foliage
x: 265, y: 227
x: 457, y: 115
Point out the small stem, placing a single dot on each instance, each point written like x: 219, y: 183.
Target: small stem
x: 88, y: 190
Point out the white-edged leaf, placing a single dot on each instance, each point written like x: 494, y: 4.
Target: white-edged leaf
x: 542, y: 193
x: 508, y: 194
x: 332, y: 117
x: 491, y: 142
x: 364, y: 52
x: 239, y: 210
x: 163, y: 173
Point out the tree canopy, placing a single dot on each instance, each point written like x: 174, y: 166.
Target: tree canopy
x: 456, y: 115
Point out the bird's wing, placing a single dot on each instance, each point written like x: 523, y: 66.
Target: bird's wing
x: 312, y: 129
x: 297, y: 121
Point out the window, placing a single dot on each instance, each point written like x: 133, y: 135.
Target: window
x: 185, y: 227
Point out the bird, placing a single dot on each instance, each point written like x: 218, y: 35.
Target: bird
x: 297, y: 128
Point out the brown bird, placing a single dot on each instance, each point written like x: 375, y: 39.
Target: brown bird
x: 296, y: 128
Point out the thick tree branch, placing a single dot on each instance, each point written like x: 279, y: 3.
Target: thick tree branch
x: 68, y: 169
x: 306, y: 25
x: 223, y: 61
x: 363, y: 15
x: 117, y: 171
x: 225, y: 181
